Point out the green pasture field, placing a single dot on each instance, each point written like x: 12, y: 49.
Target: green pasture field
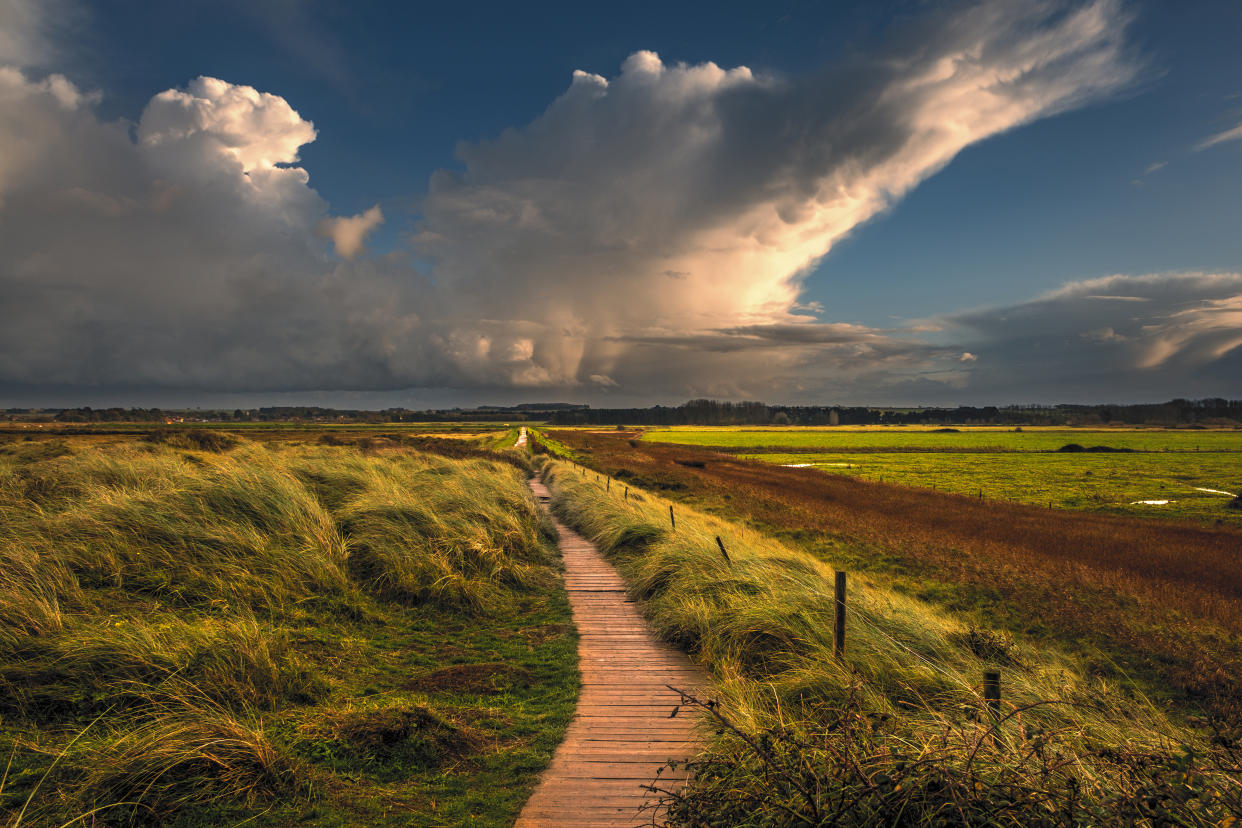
x: 1114, y: 483
x: 964, y: 438
x: 1025, y: 466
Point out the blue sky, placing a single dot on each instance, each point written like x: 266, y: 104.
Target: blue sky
x: 1106, y: 182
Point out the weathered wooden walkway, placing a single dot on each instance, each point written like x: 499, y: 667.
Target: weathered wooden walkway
x: 622, y: 732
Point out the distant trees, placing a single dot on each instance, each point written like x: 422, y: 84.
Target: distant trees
x: 1180, y: 412
x: 1211, y: 411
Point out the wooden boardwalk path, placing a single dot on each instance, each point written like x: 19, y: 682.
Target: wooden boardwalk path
x: 621, y: 733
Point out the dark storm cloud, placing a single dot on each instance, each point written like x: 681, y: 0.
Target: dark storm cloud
x: 1119, y: 337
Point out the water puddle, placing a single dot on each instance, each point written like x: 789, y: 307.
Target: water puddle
x: 809, y: 465
x: 1151, y: 502
x: 1213, y: 491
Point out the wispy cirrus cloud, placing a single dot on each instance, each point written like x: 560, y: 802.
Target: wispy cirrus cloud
x: 1231, y: 134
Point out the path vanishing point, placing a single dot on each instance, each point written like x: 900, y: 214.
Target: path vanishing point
x: 622, y: 732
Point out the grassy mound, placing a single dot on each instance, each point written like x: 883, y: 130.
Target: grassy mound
x: 897, y: 732
x: 214, y: 631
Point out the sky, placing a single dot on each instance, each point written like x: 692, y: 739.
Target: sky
x: 365, y: 204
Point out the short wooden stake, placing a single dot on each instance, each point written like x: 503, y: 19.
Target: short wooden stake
x: 723, y: 551
x: 672, y: 520
x: 627, y: 492
x: 608, y: 486
x: 992, y: 693
x: 838, y: 632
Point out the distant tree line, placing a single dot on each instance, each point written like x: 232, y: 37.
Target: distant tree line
x: 1179, y: 412
x: 1211, y: 411
x: 538, y: 412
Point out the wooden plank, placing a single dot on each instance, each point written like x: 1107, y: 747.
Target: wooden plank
x: 622, y: 733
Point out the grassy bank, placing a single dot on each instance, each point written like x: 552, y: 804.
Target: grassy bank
x: 1164, y: 599
x: 897, y: 733
x: 201, y: 630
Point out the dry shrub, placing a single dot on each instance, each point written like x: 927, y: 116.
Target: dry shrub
x: 863, y: 769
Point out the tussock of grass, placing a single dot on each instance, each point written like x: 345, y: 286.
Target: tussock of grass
x: 458, y: 537
x: 193, y: 438
x: 239, y: 529
x: 762, y: 621
x: 91, y: 667
x: 183, y: 752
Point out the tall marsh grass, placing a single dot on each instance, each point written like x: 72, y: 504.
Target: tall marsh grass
x: 802, y: 730
x: 155, y: 595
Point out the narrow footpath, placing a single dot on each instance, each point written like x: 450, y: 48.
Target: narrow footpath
x: 622, y: 732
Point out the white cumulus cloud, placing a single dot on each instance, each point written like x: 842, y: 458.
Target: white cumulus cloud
x: 349, y: 232
x: 676, y: 198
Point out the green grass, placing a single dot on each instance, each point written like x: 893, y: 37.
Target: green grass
x: 895, y: 733
x: 1025, y: 466
x: 963, y: 438
x: 280, y: 633
x: 1111, y: 483
x: 542, y: 443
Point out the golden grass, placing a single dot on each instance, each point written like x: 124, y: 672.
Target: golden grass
x: 762, y: 621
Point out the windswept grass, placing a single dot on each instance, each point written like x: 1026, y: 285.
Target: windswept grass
x: 205, y: 631
x: 1160, y: 599
x: 458, y: 540
x: 808, y: 739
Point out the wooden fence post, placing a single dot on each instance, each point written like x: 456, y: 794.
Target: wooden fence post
x: 672, y: 520
x: 838, y: 632
x: 992, y: 693
x: 608, y: 486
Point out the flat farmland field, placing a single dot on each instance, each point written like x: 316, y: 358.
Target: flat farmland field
x: 1186, y: 475
x: 958, y: 438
